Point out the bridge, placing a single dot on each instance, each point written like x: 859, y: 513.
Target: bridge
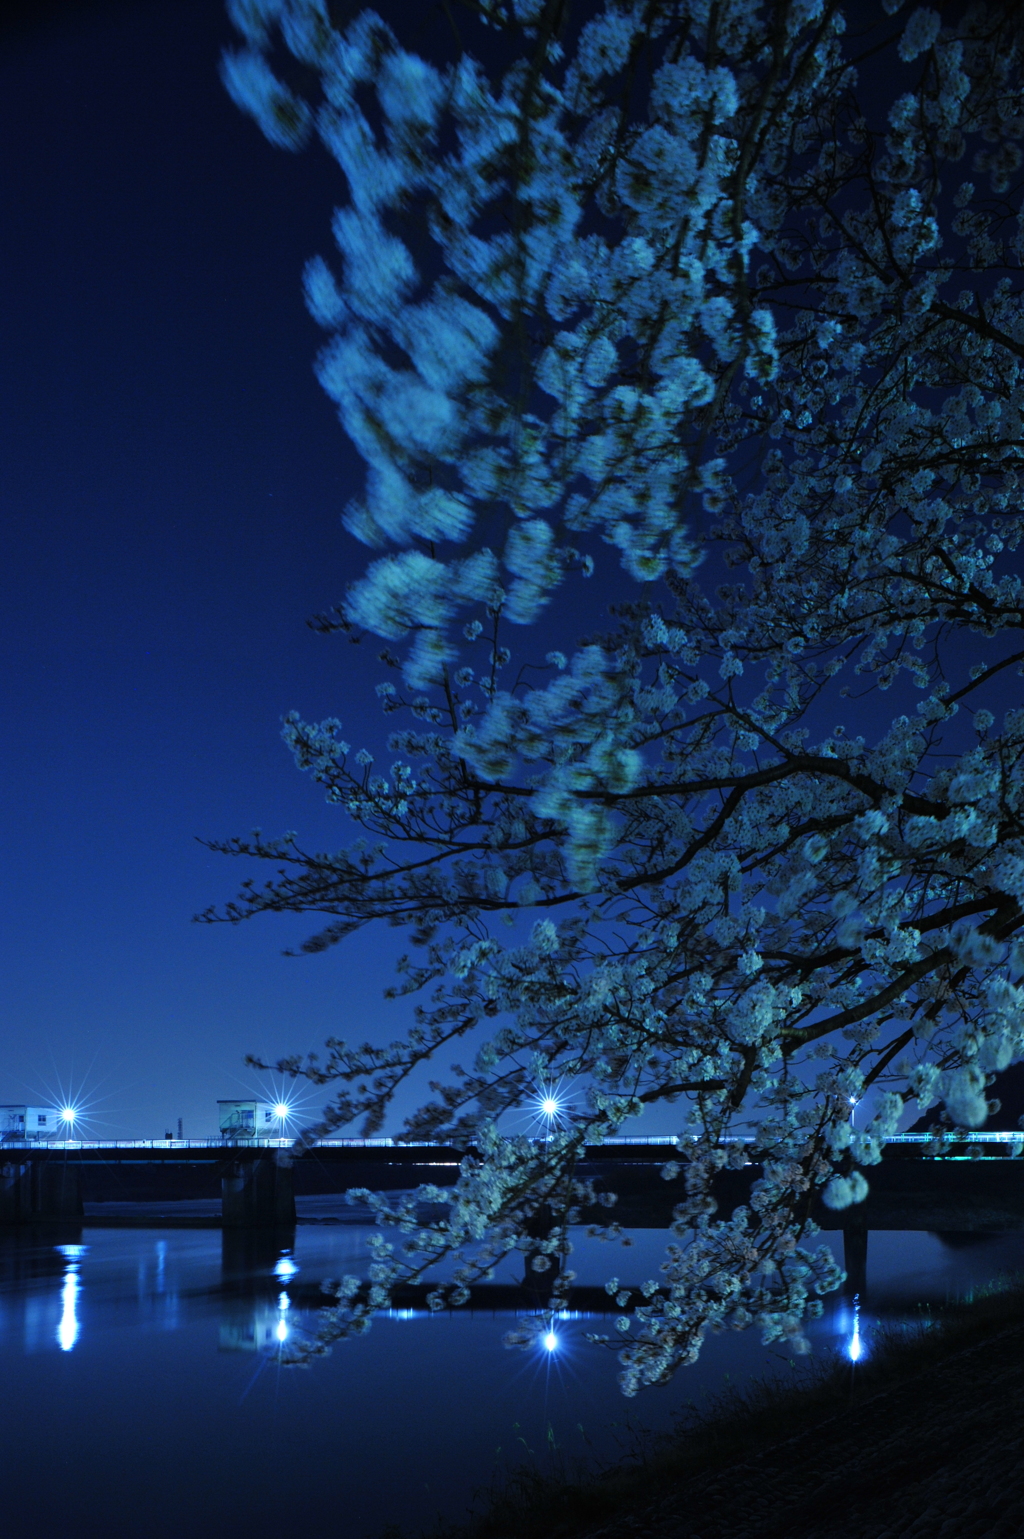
x: 974, y: 1184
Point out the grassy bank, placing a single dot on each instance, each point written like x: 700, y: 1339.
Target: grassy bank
x: 740, y: 1424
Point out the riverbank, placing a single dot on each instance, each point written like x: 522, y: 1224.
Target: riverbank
x: 923, y: 1441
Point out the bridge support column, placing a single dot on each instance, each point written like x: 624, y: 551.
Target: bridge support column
x: 257, y: 1194
x: 31, y: 1190
x: 855, y: 1259
x: 15, y: 1192
x: 248, y: 1257
x: 57, y: 1190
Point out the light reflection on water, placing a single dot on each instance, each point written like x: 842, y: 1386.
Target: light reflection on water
x: 144, y: 1354
x: 848, y: 1329
x: 67, y: 1330
x: 68, y: 1327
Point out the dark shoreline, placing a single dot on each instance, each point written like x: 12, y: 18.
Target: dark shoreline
x: 926, y: 1439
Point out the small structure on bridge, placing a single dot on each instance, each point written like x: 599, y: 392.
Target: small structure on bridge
x: 251, y: 1119
x: 20, y: 1124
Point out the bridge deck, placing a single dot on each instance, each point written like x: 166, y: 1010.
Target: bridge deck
x: 974, y: 1184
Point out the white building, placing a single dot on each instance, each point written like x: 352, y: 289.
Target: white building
x: 19, y: 1123
x: 250, y: 1119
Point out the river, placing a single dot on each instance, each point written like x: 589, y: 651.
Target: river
x: 144, y: 1395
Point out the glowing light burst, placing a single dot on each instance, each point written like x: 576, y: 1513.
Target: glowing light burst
x: 549, y: 1340
x: 291, y: 1109
x: 71, y: 1115
x: 75, y: 1107
x: 289, y: 1112
x: 550, y: 1109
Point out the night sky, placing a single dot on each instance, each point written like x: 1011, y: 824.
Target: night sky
x: 172, y: 484
x: 172, y: 480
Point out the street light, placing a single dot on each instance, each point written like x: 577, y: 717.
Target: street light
x: 282, y: 1111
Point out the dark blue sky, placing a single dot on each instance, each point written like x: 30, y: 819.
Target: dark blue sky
x: 172, y: 479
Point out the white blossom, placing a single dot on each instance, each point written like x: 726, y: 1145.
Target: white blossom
x: 558, y: 329
x: 920, y: 32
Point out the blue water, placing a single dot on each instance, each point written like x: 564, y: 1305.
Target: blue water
x: 143, y: 1392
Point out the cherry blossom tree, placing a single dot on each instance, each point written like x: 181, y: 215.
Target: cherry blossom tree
x: 726, y: 297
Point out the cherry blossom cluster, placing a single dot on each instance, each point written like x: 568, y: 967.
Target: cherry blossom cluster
x: 672, y: 291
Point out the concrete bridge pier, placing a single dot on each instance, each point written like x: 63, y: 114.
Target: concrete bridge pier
x: 15, y: 1192
x: 31, y: 1190
x: 258, y: 1194
x: 248, y: 1257
x: 855, y: 1259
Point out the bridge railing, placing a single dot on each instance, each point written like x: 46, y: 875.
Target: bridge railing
x: 665, y: 1140
x: 198, y: 1143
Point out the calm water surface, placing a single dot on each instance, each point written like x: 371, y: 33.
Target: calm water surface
x: 143, y: 1396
